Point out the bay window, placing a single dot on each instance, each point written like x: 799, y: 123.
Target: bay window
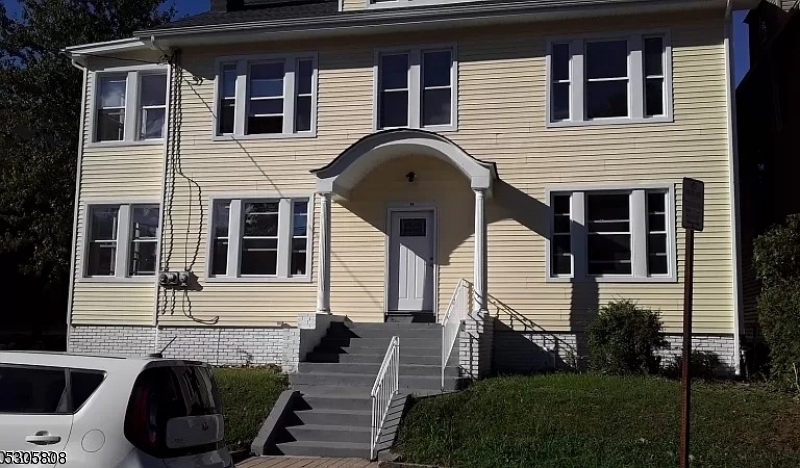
x: 624, y: 234
x: 259, y: 239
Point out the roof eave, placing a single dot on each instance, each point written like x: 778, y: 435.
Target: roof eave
x: 399, y: 19
x: 81, y: 53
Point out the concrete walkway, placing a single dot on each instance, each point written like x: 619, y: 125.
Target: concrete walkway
x: 305, y: 462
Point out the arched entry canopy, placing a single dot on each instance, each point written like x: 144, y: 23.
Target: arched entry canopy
x: 342, y: 174
x: 349, y: 168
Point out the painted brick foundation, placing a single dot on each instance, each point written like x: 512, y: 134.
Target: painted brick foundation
x: 516, y: 351
x: 233, y: 346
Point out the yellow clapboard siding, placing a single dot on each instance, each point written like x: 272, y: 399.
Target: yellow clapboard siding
x: 501, y: 117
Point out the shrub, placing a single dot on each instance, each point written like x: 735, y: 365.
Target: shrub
x: 776, y: 258
x: 702, y: 365
x: 623, y: 339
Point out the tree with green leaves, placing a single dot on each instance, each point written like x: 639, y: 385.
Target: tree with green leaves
x: 40, y: 97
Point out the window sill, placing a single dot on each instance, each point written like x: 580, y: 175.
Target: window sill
x: 612, y: 121
x: 117, y: 144
x: 257, y: 279
x: 118, y: 279
x: 264, y: 136
x: 613, y: 279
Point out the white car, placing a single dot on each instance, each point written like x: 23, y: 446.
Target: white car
x: 69, y: 410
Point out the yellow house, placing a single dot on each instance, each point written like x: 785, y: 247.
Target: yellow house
x: 293, y: 164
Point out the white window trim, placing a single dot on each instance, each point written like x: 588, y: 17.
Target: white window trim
x: 411, y: 3
x: 638, y: 233
x: 636, y: 80
x: 284, y: 238
x: 415, y: 86
x: 124, y: 228
x: 132, y: 115
x: 242, y: 93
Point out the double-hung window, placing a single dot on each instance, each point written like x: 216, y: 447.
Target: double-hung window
x: 416, y: 88
x: 121, y: 240
x: 260, y: 239
x: 130, y: 106
x: 609, y: 80
x: 266, y: 96
x: 612, y: 234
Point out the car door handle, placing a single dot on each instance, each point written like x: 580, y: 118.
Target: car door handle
x: 43, y: 439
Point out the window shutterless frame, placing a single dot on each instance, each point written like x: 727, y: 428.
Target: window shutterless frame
x: 123, y: 241
x: 638, y: 230
x: 636, y: 76
x: 415, y: 85
x: 241, y: 98
x: 236, y: 231
x: 133, y: 114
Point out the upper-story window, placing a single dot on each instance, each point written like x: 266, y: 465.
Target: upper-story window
x: 609, y: 80
x: 266, y: 96
x: 130, y: 106
x: 416, y: 88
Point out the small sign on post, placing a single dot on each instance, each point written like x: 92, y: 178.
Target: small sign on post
x: 692, y: 220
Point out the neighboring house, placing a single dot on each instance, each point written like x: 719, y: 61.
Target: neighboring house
x: 768, y: 124
x: 359, y: 158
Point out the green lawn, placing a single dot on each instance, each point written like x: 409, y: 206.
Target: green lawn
x: 248, y: 395
x: 590, y: 421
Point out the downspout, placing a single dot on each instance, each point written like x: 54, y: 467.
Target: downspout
x: 163, y: 199
x: 77, y: 198
x: 733, y: 151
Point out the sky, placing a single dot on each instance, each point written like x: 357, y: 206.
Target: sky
x: 741, y: 59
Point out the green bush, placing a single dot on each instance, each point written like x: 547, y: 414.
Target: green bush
x: 776, y: 258
x: 623, y: 339
x: 702, y: 365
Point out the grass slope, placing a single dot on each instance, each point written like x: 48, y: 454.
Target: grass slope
x: 590, y: 421
x: 248, y: 395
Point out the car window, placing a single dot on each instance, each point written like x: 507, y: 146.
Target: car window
x: 82, y: 385
x: 163, y: 393
x: 32, y: 390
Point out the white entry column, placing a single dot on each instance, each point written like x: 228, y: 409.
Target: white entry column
x: 480, y: 264
x: 324, y: 274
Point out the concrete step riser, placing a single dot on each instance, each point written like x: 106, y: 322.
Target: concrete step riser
x: 348, y: 380
x: 304, y: 433
x: 323, y: 451
x: 379, y: 350
x: 339, y: 419
x: 386, y: 335
x: 376, y: 359
x: 324, y: 403
x: 359, y: 327
x: 372, y: 369
x: 382, y: 342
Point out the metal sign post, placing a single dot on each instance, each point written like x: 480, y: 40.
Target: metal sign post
x: 691, y: 221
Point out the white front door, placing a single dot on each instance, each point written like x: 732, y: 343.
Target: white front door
x: 411, y: 260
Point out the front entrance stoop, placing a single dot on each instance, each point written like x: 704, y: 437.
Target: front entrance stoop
x: 331, y: 410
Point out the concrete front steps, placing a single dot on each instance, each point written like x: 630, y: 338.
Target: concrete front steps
x: 332, y: 417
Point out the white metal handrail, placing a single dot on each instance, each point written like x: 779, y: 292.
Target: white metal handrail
x: 457, y: 311
x: 387, y: 385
